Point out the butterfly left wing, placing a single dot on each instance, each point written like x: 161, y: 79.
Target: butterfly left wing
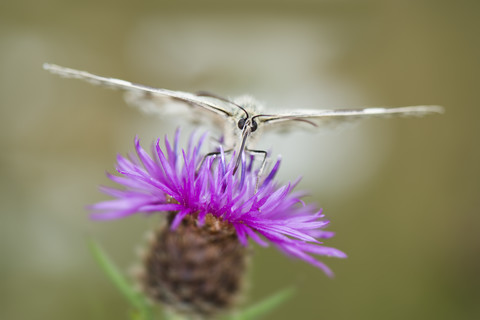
x: 319, y: 117
x: 139, y: 93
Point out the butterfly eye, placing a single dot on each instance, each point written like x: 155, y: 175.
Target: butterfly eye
x: 254, y: 125
x: 241, y: 123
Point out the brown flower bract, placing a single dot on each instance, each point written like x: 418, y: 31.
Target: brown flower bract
x: 195, y: 269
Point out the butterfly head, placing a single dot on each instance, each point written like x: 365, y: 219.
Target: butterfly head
x: 247, y: 123
x: 248, y: 109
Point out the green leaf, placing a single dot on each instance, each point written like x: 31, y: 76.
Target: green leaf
x: 263, y: 307
x: 142, y: 310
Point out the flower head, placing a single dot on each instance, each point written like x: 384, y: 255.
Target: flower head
x: 194, y: 186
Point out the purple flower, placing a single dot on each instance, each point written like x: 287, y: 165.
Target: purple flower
x: 176, y: 181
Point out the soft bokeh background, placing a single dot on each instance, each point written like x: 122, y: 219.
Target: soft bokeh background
x: 402, y: 194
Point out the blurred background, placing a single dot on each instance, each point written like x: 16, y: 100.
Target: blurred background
x: 402, y: 194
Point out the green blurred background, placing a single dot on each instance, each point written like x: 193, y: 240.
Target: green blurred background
x: 402, y: 194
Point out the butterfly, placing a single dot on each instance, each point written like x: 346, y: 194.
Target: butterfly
x: 240, y: 119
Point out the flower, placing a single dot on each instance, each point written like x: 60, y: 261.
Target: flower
x: 191, y: 184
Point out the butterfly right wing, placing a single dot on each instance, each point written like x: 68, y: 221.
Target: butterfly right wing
x: 138, y: 94
x: 318, y: 118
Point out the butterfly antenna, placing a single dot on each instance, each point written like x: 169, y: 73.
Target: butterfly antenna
x: 212, y: 95
x: 292, y: 118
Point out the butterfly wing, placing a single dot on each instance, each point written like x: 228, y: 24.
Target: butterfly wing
x: 145, y: 97
x: 321, y: 117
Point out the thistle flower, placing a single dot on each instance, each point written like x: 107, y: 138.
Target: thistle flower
x: 211, y: 215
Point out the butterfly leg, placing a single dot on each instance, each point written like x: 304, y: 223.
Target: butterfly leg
x: 262, y: 166
x: 211, y: 154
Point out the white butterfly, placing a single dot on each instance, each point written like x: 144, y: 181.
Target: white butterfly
x: 240, y: 119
